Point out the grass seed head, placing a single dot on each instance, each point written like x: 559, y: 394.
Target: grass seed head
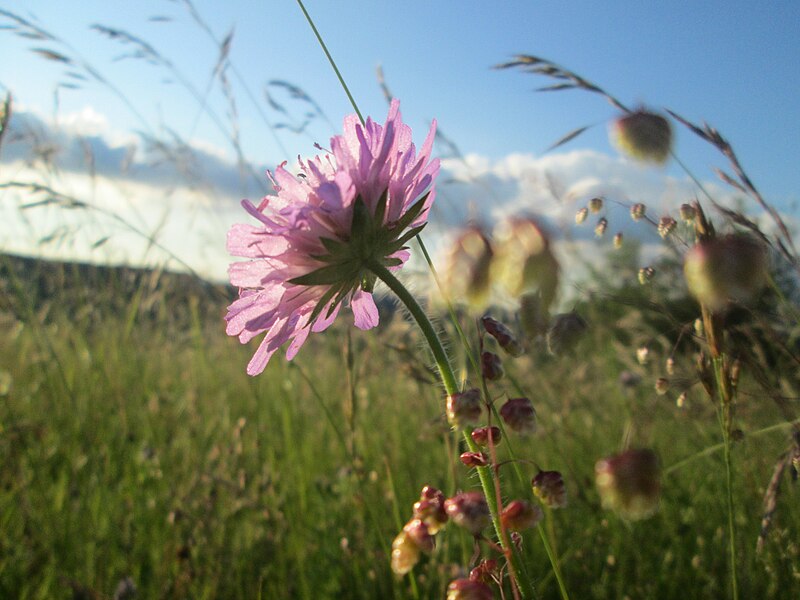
x: 519, y: 515
x: 467, y: 589
x: 629, y: 483
x: 491, y: 366
x: 464, y: 408
x: 519, y: 415
x: 643, y: 135
x: 482, y: 435
x: 469, y: 510
x: 549, y: 487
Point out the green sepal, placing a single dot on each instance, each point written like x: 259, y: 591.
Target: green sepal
x: 368, y: 280
x: 321, y: 304
x: 380, y: 208
x: 327, y: 275
x: 400, y: 242
x: 411, y: 214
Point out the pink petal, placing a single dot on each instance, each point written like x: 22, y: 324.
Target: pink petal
x: 364, y: 310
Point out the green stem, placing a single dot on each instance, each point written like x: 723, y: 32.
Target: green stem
x: 330, y: 60
x: 451, y: 387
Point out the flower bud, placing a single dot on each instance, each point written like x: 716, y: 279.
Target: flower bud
x: 519, y: 415
x: 519, y: 515
x: 549, y: 487
x: 629, y: 483
x: 581, y: 215
x: 482, y: 435
x: 469, y: 268
x: 474, y: 459
x: 485, y: 572
x: 688, y: 213
x: 466, y: 589
x: 646, y: 274
x: 469, y: 510
x: 600, y: 228
x: 564, y: 332
x: 430, y: 509
x: 464, y: 408
x: 596, y: 205
x: 491, y: 366
x: 405, y: 553
x: 643, y: 135
x: 727, y: 269
x: 502, y: 335
x: 638, y: 211
x: 666, y: 225
x: 643, y: 355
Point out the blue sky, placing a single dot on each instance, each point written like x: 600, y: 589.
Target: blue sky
x: 731, y: 63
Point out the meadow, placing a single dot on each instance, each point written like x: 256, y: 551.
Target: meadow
x: 134, y: 447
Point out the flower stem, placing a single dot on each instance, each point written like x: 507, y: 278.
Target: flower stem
x: 330, y: 60
x: 451, y: 387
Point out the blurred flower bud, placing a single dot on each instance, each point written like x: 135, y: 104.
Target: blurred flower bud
x: 666, y: 225
x: 618, y: 240
x: 525, y: 260
x: 468, y: 274
x: 485, y: 572
x: 638, y: 211
x: 646, y: 274
x: 464, y: 408
x: 564, y: 332
x: 405, y: 553
x: 662, y: 386
x: 474, y: 459
x: 643, y: 135
x: 482, y: 435
x: 580, y: 216
x: 467, y: 589
x: 670, y: 366
x: 430, y: 509
x: 596, y: 205
x: 629, y: 483
x: 519, y: 415
x: 491, y: 366
x: 519, y: 515
x: 681, y: 401
x: 643, y: 355
x: 418, y: 532
x: 688, y: 213
x: 600, y: 228
x: 549, y: 487
x: 502, y: 335
x: 726, y: 269
x: 469, y: 510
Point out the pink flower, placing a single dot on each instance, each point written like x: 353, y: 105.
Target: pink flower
x: 317, y: 237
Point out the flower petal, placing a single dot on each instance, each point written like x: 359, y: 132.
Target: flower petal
x: 364, y: 310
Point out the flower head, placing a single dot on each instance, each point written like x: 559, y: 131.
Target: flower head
x: 319, y: 235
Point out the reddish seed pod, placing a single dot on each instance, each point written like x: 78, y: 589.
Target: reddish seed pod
x: 430, y: 509
x: 464, y: 408
x: 519, y: 415
x: 485, y: 571
x: 491, y: 366
x: 482, y: 435
x: 519, y: 515
x: 466, y: 589
x: 502, y: 335
x: 469, y: 510
x: 474, y: 459
x: 549, y: 488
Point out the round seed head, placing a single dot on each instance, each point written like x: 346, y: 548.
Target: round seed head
x: 596, y: 205
x: 491, y: 366
x: 467, y: 589
x: 643, y: 135
x: 464, y: 408
x: 629, y: 483
x: 600, y: 228
x: 469, y: 510
x: 519, y: 515
x: 482, y: 435
x: 519, y: 415
x: 638, y: 211
x: 580, y: 216
x: 549, y: 487
x: 474, y: 459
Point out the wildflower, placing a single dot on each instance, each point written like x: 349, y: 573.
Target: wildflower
x: 638, y: 211
x: 491, y: 366
x: 629, y: 483
x: 666, y: 225
x: 474, y: 459
x: 519, y: 415
x: 502, y: 335
x: 549, y: 488
x: 519, y: 515
x: 482, y: 435
x: 726, y: 269
x: 430, y: 509
x: 467, y: 589
x: 580, y: 216
x: 643, y: 135
x: 319, y: 236
x: 464, y: 408
x: 469, y: 268
x: 469, y: 510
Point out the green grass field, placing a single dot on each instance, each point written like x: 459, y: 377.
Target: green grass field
x: 134, y: 445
